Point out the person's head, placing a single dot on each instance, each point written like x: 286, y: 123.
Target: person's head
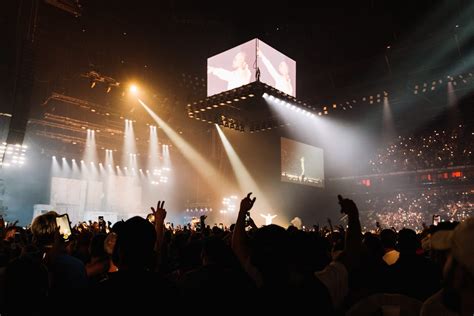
x: 309, y: 253
x: 373, y: 245
x: 291, y: 229
x: 270, y: 251
x: 135, y: 243
x: 239, y: 60
x: 408, y: 241
x: 216, y: 231
x: 43, y: 229
x: 283, y: 68
x: 296, y: 222
x: 109, y: 243
x: 97, y: 249
x: 388, y: 238
x: 215, y: 251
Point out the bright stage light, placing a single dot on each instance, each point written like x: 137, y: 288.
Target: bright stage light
x: 229, y: 205
x: 133, y: 89
x: 90, y: 152
x: 129, y: 145
x: 109, y: 158
x: 13, y: 155
x: 55, y: 167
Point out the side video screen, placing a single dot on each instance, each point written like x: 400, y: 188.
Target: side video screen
x: 301, y: 163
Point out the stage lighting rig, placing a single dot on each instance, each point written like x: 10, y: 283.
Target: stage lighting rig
x: 242, y: 108
x: 70, y: 6
x: 12, y: 155
x: 95, y: 77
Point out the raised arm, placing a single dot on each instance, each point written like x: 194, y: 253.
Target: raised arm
x: 353, y: 244
x: 336, y: 275
x: 275, y: 75
x: 220, y: 73
x: 160, y: 215
x: 239, y: 237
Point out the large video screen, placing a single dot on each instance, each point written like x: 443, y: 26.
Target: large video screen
x: 124, y: 194
x: 68, y: 196
x: 276, y: 69
x: 301, y: 163
x: 231, y: 69
x: 238, y: 66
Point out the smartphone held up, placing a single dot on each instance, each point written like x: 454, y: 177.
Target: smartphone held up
x: 62, y: 221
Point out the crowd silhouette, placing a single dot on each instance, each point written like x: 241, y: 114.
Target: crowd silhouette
x: 142, y: 264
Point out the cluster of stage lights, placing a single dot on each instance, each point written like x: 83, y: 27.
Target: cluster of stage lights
x: 289, y: 105
x: 159, y: 175
x: 308, y: 111
x: 198, y: 210
x: 453, y: 80
x: 132, y: 89
x: 197, y: 110
x: 13, y: 155
x: 229, y: 204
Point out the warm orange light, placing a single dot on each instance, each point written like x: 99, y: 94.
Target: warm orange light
x: 133, y: 89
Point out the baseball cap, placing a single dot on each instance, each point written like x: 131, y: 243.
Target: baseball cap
x: 459, y: 241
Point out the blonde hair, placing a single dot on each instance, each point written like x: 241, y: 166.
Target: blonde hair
x: 43, y: 228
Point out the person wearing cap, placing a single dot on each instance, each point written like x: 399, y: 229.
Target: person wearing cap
x: 457, y: 295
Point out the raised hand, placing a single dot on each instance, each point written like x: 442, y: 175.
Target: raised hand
x: 12, y: 224
x: 330, y: 225
x: 159, y: 212
x: 247, y: 203
x: 341, y: 228
x: 348, y: 206
x: 250, y: 222
x: 353, y: 245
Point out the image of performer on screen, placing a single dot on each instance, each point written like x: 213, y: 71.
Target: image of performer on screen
x: 281, y: 77
x: 239, y: 76
x: 302, y: 175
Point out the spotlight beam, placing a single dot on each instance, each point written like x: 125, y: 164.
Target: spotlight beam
x: 388, y: 124
x: 244, y: 178
x: 153, y: 151
x: 129, y: 146
x: 201, y: 165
